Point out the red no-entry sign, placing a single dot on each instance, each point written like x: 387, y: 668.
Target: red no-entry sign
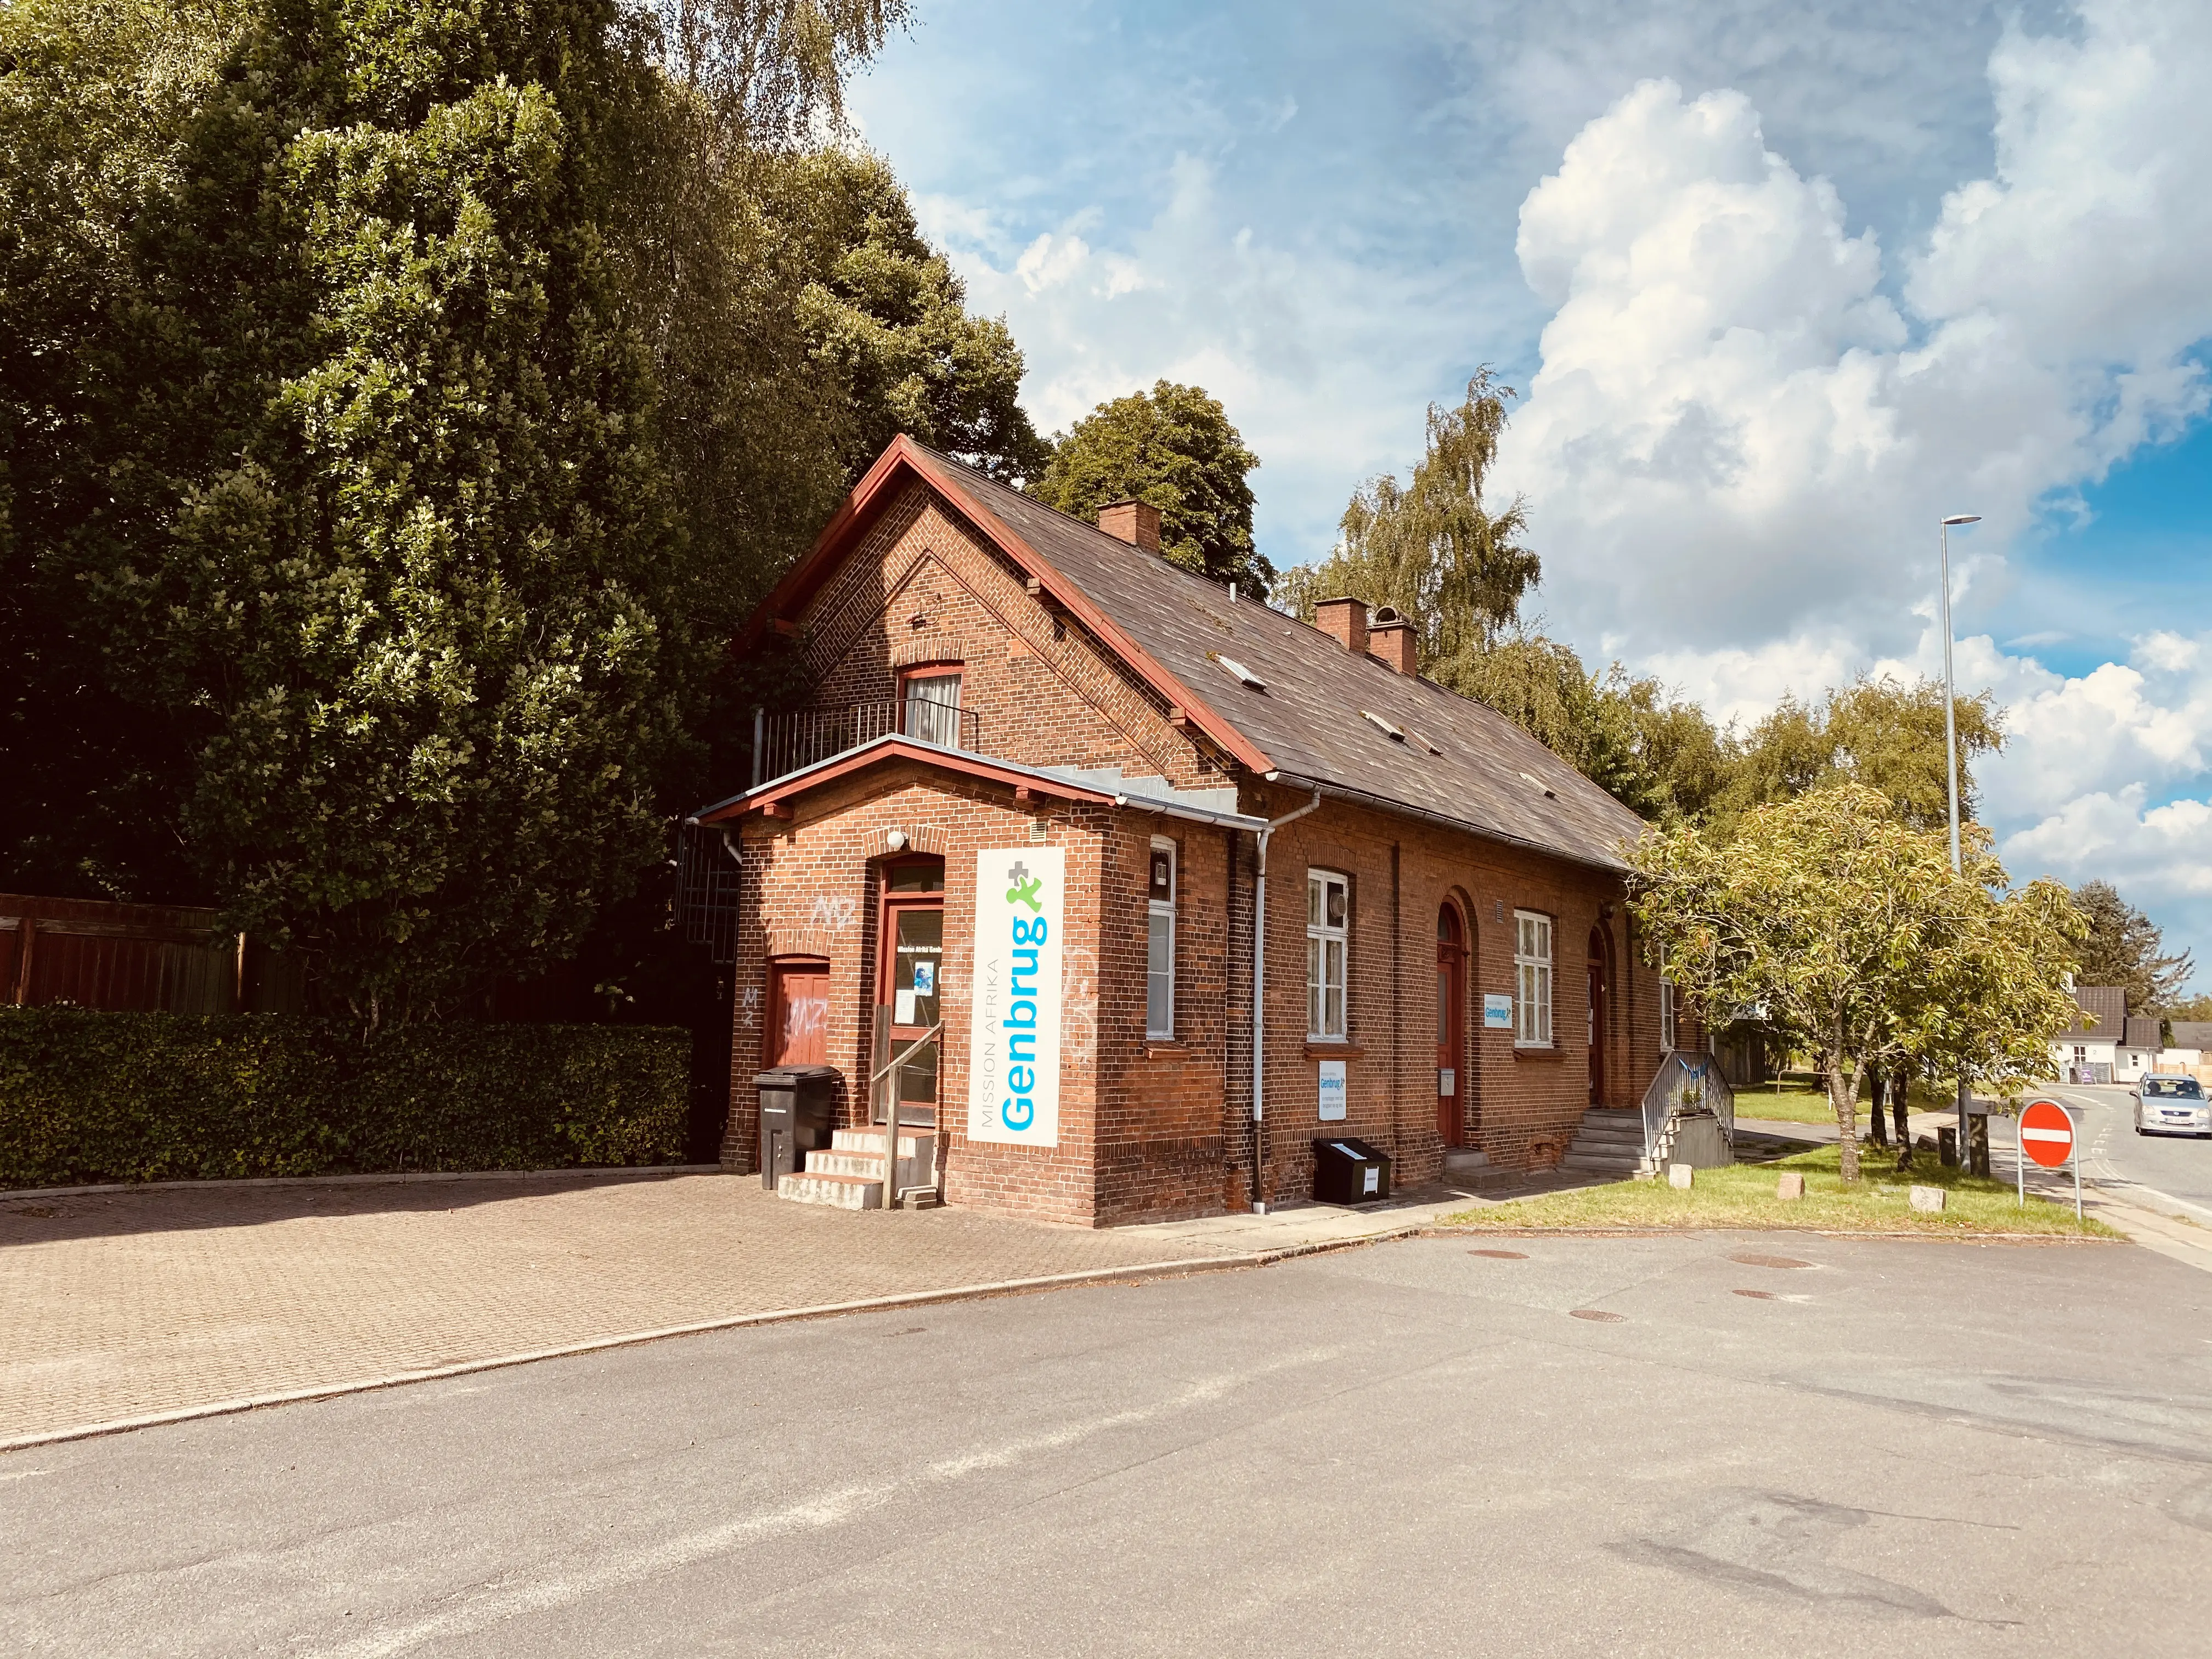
x: 2046, y: 1135
x: 2047, y: 1132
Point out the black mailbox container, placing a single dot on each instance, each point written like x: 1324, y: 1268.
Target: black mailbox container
x: 797, y: 1105
x: 1347, y: 1172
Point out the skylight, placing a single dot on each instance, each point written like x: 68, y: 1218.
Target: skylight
x: 1383, y: 725
x: 1549, y: 794
x: 1239, y: 671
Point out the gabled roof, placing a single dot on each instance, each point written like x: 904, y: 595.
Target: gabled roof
x: 1319, y: 715
x: 2141, y: 1032
x: 2104, y: 1013
x: 2192, y: 1033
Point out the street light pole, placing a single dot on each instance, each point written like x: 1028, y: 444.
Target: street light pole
x: 1951, y: 761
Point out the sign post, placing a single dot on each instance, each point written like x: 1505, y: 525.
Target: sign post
x: 2046, y: 1135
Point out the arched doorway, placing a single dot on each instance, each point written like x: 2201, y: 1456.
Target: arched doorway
x: 1598, y: 1011
x: 1451, y: 1026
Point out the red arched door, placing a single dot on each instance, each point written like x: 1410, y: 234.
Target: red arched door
x: 1451, y: 1028
x: 1597, y: 1015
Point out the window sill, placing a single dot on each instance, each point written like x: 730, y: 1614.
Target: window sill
x: 1328, y: 1048
x: 1168, y: 1046
x: 1554, y: 1053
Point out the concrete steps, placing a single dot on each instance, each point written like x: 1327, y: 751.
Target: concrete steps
x: 1609, y: 1142
x: 850, y: 1175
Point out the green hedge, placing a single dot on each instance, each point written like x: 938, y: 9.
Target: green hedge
x: 89, y: 1097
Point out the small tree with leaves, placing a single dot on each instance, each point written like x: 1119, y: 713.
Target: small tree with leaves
x: 1846, y: 927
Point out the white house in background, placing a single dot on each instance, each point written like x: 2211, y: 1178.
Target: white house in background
x: 2190, y: 1047
x: 2087, y: 1051
x: 2139, y: 1050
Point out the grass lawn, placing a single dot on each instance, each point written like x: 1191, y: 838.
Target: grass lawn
x: 1743, y: 1196
x: 1794, y: 1102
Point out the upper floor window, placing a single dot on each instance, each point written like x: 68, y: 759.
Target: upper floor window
x: 1532, y: 975
x: 932, y: 705
x: 1328, y: 906
x: 1159, y: 942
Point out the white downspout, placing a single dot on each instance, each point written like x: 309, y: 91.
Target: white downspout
x: 1260, y: 994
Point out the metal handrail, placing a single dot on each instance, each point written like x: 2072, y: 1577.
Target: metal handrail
x: 1663, y: 1101
x: 787, y: 743
x: 893, y: 1193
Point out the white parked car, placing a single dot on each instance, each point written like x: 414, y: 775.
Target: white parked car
x: 2170, y: 1105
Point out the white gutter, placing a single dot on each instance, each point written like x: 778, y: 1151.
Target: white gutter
x: 1259, y: 990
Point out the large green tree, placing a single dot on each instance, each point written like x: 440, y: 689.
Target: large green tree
x: 1884, y: 733
x: 1433, y: 548
x: 1844, y: 927
x: 343, y: 493
x: 1174, y: 448
x: 2124, y: 947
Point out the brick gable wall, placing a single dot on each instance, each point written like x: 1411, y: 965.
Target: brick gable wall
x: 1155, y: 1130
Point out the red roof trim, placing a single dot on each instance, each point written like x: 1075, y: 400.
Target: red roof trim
x: 873, y: 492
x: 904, y: 749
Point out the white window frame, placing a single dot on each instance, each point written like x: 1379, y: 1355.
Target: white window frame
x: 1533, y: 975
x: 1160, y: 917
x: 1328, y: 942
x: 1667, y: 1028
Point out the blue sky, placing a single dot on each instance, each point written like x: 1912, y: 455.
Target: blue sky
x: 1781, y: 284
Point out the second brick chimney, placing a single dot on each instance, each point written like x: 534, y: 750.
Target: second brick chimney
x: 1345, y: 622
x: 1137, y: 523
x: 1392, y: 639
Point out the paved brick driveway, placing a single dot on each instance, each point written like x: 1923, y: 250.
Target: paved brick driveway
x: 128, y: 1304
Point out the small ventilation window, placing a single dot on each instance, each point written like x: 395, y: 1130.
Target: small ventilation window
x: 1238, y: 671
x: 1425, y: 742
x: 1396, y: 733
x: 1549, y: 794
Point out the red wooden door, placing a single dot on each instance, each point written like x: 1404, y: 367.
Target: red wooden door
x: 1451, y: 1028
x: 798, y: 1013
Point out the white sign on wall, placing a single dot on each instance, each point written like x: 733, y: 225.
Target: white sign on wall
x: 1332, y: 1091
x: 1496, y: 1011
x: 1013, y: 1015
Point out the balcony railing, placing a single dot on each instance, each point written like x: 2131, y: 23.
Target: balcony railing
x: 783, y: 744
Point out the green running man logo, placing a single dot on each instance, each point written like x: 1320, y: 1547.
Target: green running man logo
x: 1024, y: 890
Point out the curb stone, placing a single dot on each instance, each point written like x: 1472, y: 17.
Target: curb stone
x: 735, y: 1321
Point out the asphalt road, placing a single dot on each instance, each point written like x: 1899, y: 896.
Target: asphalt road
x: 1898, y: 1447
x: 2142, y: 1168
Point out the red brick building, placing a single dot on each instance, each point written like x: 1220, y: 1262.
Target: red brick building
x: 1012, y: 858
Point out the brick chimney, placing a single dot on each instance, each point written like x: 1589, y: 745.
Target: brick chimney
x: 1344, y: 621
x: 1137, y: 523
x: 1392, y: 639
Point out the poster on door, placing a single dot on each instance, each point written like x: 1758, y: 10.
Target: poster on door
x: 1014, y: 1016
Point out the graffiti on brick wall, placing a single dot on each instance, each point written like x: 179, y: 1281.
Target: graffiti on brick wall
x: 1079, y: 1019
x: 750, y: 1014
x: 833, y: 914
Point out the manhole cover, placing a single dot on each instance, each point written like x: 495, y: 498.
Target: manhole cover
x: 1502, y: 1255
x: 1756, y: 1296
x: 1597, y: 1315
x: 1753, y: 1259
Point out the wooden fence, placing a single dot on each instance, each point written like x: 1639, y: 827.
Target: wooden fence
x: 126, y: 958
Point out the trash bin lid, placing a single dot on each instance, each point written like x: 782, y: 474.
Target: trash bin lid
x: 788, y: 1075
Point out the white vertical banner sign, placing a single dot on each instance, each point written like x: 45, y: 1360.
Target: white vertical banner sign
x: 1013, y: 1014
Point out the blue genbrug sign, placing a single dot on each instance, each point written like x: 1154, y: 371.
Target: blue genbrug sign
x: 1013, y: 1018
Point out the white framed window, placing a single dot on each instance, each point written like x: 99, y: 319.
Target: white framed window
x: 1328, y: 909
x: 1531, y: 980
x: 1159, y: 942
x: 1666, y: 1015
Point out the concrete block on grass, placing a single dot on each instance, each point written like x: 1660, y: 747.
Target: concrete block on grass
x: 1929, y: 1199
x: 1681, y: 1176
x: 1790, y: 1187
